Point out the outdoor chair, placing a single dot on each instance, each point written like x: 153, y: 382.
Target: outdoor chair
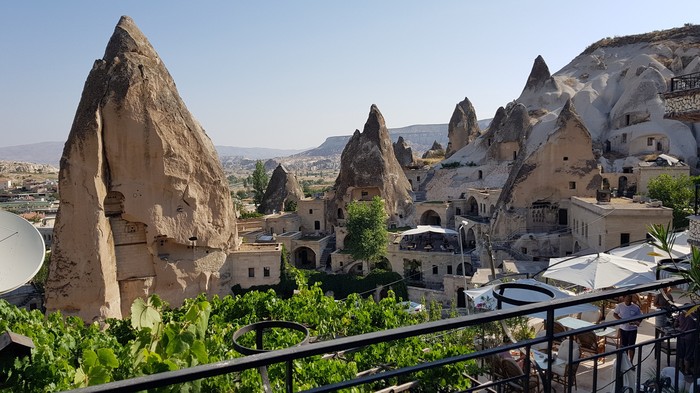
x: 511, y: 369
x: 590, y: 316
x: 612, y: 338
x: 558, y: 328
x: 669, y: 348
x: 590, y: 343
x: 560, y: 373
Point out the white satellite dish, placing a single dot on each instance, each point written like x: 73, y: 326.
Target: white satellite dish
x: 22, y: 251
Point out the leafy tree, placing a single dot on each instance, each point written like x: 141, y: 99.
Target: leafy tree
x: 367, y: 233
x: 290, y: 205
x: 259, y: 179
x: 676, y: 193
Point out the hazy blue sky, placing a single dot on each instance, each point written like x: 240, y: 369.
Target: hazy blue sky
x: 288, y: 74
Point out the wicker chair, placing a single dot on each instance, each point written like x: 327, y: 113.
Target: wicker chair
x: 590, y: 343
x: 511, y: 369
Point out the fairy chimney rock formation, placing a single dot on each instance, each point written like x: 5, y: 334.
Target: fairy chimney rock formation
x: 403, y: 153
x: 436, y: 151
x: 145, y: 205
x: 539, y: 75
x: 368, y: 168
x: 463, y: 128
x: 283, y: 187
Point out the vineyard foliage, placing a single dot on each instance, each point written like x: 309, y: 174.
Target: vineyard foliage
x: 70, y: 354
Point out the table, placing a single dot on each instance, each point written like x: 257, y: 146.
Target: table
x: 575, y: 323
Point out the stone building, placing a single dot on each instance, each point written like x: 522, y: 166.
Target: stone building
x: 598, y: 225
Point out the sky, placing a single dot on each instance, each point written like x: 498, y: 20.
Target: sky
x: 289, y: 74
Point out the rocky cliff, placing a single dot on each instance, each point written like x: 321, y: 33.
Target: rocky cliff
x: 145, y: 206
x: 368, y: 167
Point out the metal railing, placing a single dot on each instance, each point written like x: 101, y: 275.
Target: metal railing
x: 685, y: 82
x: 342, y: 344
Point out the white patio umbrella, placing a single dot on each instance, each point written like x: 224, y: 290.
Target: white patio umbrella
x: 600, y: 271
x: 646, y: 252
x: 483, y: 298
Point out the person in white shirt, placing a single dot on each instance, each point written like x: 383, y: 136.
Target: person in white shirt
x: 628, y: 331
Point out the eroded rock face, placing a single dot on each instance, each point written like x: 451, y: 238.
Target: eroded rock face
x: 562, y: 167
x: 436, y: 151
x: 369, y: 168
x: 403, y: 153
x: 145, y: 206
x: 283, y: 187
x: 539, y: 75
x: 463, y: 128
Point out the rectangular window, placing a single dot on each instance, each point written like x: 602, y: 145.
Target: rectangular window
x: 317, y: 225
x: 311, y: 211
x: 566, y: 158
x: 523, y: 250
x: 435, y: 269
x: 650, y: 141
x: 365, y: 193
x: 600, y: 240
x: 418, y: 178
x: 586, y: 231
x: 266, y: 271
x: 449, y: 269
x: 624, y: 137
x: 624, y: 239
x: 572, y: 185
x: 251, y: 272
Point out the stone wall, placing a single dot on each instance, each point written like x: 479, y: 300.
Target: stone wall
x: 680, y: 103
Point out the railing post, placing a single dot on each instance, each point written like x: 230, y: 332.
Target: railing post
x: 290, y: 380
x: 549, y: 328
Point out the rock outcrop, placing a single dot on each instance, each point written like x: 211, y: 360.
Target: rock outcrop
x: 145, y: 206
x: 539, y: 75
x: 282, y: 189
x: 403, y: 153
x: 554, y: 171
x: 463, y: 128
x: 368, y: 168
x: 436, y: 151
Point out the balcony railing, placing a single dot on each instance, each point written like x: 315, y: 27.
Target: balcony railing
x: 333, y: 346
x: 685, y: 82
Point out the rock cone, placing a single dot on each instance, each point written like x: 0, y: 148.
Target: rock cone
x: 282, y: 188
x: 403, y: 152
x: 368, y: 168
x: 145, y: 206
x: 463, y: 128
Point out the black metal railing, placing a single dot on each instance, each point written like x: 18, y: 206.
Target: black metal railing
x: 347, y: 343
x: 685, y: 82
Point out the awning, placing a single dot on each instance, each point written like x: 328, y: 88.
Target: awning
x: 429, y: 228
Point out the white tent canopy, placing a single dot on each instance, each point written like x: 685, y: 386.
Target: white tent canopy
x: 429, y: 228
x: 600, y: 271
x: 483, y: 298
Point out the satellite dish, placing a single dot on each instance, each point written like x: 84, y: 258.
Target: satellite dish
x: 22, y: 251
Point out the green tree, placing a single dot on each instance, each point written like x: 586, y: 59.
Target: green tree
x: 259, y: 179
x: 367, y: 233
x: 676, y: 193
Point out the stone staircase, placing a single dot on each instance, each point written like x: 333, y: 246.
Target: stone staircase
x: 325, y: 258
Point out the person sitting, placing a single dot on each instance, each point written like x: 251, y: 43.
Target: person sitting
x: 663, y: 301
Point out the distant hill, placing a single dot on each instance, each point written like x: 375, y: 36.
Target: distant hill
x: 255, y: 153
x: 50, y: 152
x: 38, y: 153
x: 419, y: 138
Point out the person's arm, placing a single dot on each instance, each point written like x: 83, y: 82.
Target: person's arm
x: 616, y: 314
